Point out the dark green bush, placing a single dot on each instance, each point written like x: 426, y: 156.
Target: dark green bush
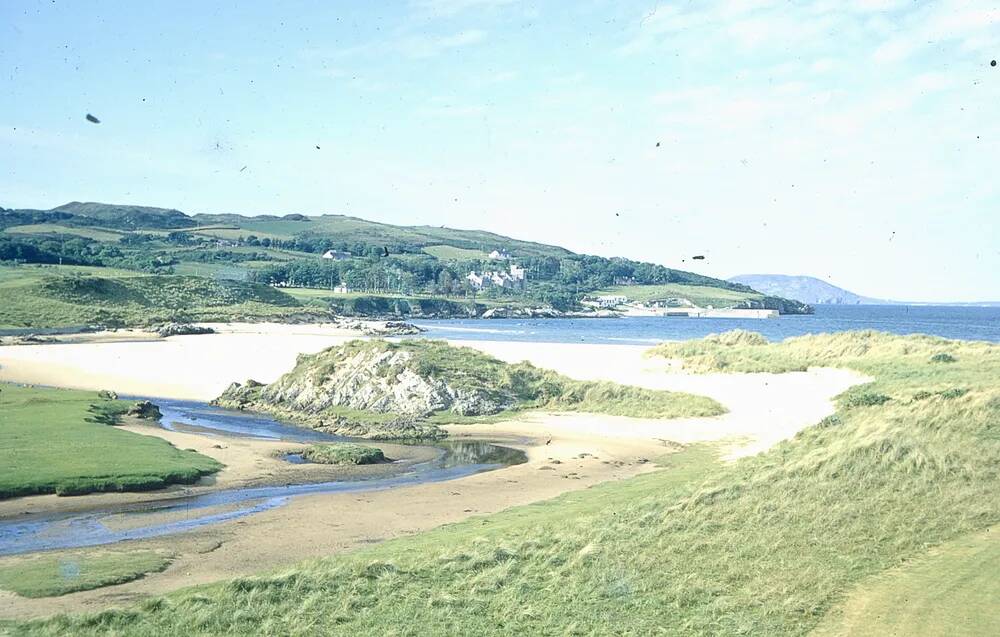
x: 865, y: 399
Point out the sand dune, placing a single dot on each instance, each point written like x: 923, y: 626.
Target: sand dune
x: 763, y: 409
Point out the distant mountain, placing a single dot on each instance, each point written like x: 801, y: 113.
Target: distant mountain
x: 803, y: 288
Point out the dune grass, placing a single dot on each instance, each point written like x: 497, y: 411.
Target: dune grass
x: 343, y: 453
x: 767, y: 545
x: 52, y: 574
x: 953, y: 590
x: 60, y: 441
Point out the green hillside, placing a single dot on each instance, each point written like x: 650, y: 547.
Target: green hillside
x: 58, y: 296
x: 374, y: 259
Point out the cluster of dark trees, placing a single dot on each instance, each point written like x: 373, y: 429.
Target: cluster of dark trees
x: 554, y: 281
x: 78, y: 251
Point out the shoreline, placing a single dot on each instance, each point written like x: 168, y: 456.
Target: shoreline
x: 565, y: 451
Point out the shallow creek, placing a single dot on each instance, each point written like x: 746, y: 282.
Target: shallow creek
x: 29, y: 533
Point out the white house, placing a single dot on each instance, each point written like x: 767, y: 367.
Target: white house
x: 513, y: 279
x: 611, y: 301
x: 337, y: 255
x: 500, y: 254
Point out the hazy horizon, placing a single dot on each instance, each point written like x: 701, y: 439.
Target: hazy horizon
x: 853, y: 142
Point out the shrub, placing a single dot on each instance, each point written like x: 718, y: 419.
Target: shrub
x: 865, y: 399
x: 943, y: 357
x: 343, y: 453
x: 954, y: 392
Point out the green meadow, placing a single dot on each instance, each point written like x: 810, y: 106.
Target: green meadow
x: 61, y: 441
x: 885, y: 491
x: 52, y: 574
x: 58, y: 296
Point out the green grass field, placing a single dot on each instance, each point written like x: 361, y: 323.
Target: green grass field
x: 56, y: 296
x: 452, y: 253
x: 52, y: 574
x: 699, y: 295
x: 98, y: 234
x: 952, y: 590
x: 773, y: 544
x: 56, y: 441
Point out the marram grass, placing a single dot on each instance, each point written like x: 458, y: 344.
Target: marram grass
x: 765, y: 546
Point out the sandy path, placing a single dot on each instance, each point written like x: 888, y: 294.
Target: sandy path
x: 763, y: 408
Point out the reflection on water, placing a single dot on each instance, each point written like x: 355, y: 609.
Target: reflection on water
x: 107, y: 525
x: 459, y: 452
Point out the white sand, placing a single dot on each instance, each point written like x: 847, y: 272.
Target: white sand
x: 763, y: 409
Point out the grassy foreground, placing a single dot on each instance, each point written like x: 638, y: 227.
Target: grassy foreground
x: 954, y: 590
x: 60, y: 441
x: 51, y: 574
x: 766, y: 546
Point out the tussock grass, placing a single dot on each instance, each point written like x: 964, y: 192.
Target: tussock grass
x: 59, y: 441
x: 765, y: 546
x: 343, y: 453
x: 52, y: 574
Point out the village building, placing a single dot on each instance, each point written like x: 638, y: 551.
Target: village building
x: 514, y: 279
x: 611, y: 301
x: 502, y: 254
x: 337, y: 255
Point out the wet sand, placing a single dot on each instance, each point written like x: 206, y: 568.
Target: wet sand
x: 764, y: 409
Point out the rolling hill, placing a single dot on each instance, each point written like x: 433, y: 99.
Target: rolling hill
x: 803, y: 288
x: 416, y: 263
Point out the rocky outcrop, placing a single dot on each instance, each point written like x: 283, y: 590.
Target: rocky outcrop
x: 181, y: 329
x: 372, y: 389
x: 784, y: 306
x: 145, y: 410
x: 378, y: 328
x: 508, y: 312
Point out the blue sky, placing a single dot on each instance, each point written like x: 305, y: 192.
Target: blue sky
x: 855, y: 141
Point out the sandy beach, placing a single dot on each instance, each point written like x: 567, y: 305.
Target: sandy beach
x: 565, y: 451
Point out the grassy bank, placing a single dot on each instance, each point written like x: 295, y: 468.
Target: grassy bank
x: 60, y: 441
x: 343, y: 453
x: 52, y: 574
x: 768, y: 545
x: 56, y: 296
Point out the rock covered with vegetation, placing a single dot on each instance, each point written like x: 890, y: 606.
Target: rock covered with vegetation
x: 380, y: 389
x: 181, y: 329
x: 343, y: 453
x: 378, y: 328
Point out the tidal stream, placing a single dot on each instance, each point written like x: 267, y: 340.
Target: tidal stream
x: 107, y: 525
